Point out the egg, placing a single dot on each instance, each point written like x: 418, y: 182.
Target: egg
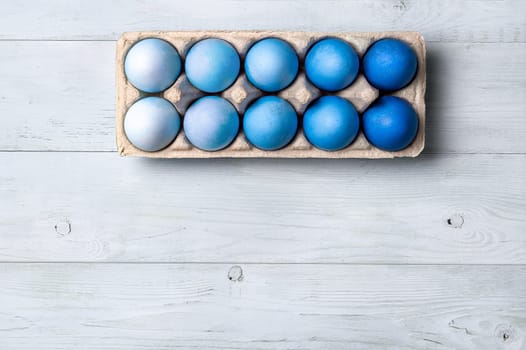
x: 151, y: 123
x: 332, y: 64
x: 270, y: 123
x: 390, y: 123
x: 271, y: 64
x: 331, y: 123
x: 152, y: 65
x: 389, y: 64
x: 212, y: 65
x: 211, y: 123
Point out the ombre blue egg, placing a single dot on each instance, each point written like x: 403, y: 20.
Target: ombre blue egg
x: 211, y: 123
x: 331, y: 123
x: 212, y: 65
x: 390, y: 123
x: 151, y: 123
x: 271, y: 64
x: 270, y: 123
x: 152, y: 65
x: 332, y: 64
x: 389, y: 64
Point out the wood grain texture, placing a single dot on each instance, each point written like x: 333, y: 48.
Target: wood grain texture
x: 61, y: 96
x: 438, y: 20
x: 140, y: 228
x: 443, y: 209
x: 106, y: 306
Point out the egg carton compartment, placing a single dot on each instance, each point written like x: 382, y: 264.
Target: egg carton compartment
x: 299, y: 94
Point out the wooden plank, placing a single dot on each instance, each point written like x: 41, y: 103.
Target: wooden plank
x: 438, y: 20
x: 61, y: 96
x: 443, y: 209
x: 57, y: 96
x: 138, y: 306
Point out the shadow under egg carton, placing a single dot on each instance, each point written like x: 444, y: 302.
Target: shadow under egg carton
x: 300, y: 94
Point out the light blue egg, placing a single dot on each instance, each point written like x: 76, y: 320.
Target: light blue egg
x: 332, y: 64
x: 271, y: 64
x: 390, y: 123
x: 270, y: 123
x: 389, y: 64
x: 152, y: 65
x: 212, y: 65
x: 151, y: 123
x: 211, y: 123
x: 331, y: 123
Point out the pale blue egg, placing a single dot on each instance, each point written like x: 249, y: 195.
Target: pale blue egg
x: 151, y: 123
x: 211, y: 123
x: 212, y: 65
x: 389, y: 64
x: 332, y: 64
x: 331, y: 123
x: 271, y: 64
x: 152, y: 65
x: 270, y: 123
x: 390, y: 123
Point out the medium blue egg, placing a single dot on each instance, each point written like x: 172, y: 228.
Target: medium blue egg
x: 212, y: 65
x: 270, y: 123
x: 151, y: 123
x: 152, y: 65
x: 211, y: 123
x: 332, y: 64
x: 331, y: 123
x: 271, y: 64
x: 390, y: 123
x: 389, y: 64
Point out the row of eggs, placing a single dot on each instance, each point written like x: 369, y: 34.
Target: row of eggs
x: 330, y: 123
x: 152, y: 65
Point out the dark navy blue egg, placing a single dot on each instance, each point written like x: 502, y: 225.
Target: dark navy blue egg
x: 390, y: 64
x: 211, y: 123
x: 212, y: 65
x: 390, y: 123
x: 271, y: 64
x: 331, y: 123
x: 332, y: 64
x: 270, y: 123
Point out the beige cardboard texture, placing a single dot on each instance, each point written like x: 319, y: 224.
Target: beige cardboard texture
x: 300, y: 93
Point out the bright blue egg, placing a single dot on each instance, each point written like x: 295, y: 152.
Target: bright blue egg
x: 151, y: 123
x: 390, y: 123
x: 389, y: 64
x: 271, y: 64
x: 331, y: 123
x: 152, y: 65
x: 270, y: 123
x: 211, y: 123
x: 332, y: 64
x: 212, y: 65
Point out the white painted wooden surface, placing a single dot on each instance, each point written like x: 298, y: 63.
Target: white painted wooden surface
x: 439, y: 20
x: 368, y: 211
x: 217, y: 306
x: 100, y: 252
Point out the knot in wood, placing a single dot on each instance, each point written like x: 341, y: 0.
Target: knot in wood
x: 63, y: 227
x: 455, y: 221
x: 235, y: 273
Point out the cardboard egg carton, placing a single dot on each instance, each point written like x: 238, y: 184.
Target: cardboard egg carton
x: 300, y: 94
